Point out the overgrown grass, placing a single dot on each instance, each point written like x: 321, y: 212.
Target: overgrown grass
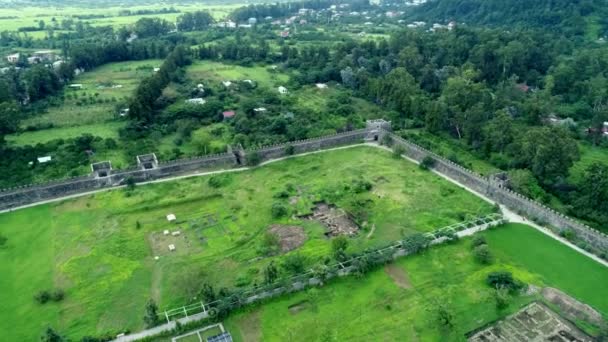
x: 374, y: 307
x: 216, y: 71
x: 94, y: 248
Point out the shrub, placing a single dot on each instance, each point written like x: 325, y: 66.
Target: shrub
x: 427, y: 163
x: 338, y: 247
x: 42, y: 297
x: 253, y: 159
x: 217, y: 181
x: 151, y: 315
x: 361, y: 185
x: 281, y: 194
x: 478, y: 240
x: 398, y: 151
x: 279, y: 210
x: 482, y: 254
x: 3, y: 240
x: 503, y: 279
x: 294, y: 263
x: 290, y: 150
x: 270, y: 244
x: 58, y: 295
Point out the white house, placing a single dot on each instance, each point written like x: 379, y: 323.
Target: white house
x: 196, y: 101
x: 171, y: 217
x: 282, y: 90
x: 260, y: 110
x: 227, y: 84
x: 321, y: 85
x: 13, y: 58
x: 44, y: 159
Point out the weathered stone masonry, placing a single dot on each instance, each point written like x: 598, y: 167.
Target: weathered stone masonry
x: 506, y: 197
x: 150, y: 169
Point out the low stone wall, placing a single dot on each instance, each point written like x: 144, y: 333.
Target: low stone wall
x: 506, y: 197
x: 30, y: 194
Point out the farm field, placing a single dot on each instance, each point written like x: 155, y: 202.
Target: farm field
x: 29, y: 16
x: 395, y: 303
x: 101, y: 249
x: 102, y: 87
x: 217, y: 72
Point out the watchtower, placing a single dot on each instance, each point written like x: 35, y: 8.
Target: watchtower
x: 376, y: 128
x: 102, y: 169
x: 147, y: 161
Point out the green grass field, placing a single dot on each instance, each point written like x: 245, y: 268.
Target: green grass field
x: 93, y: 248
x: 29, y: 16
x: 107, y: 85
x: 104, y: 130
x: 395, y: 303
x: 217, y: 72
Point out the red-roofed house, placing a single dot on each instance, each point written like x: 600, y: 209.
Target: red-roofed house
x: 523, y: 87
x: 228, y: 114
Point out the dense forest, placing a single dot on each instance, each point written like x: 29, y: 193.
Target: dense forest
x: 570, y: 17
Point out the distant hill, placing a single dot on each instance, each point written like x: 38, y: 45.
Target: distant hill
x: 566, y: 16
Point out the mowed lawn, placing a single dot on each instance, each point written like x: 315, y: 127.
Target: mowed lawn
x: 557, y: 265
x: 100, y: 248
x: 396, y: 303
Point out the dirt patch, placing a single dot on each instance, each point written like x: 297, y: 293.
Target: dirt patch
x: 296, y: 308
x: 290, y: 237
x: 398, y: 275
x: 570, y: 307
x: 293, y: 200
x: 336, y: 220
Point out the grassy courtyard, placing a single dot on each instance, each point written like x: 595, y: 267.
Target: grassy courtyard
x: 100, y: 249
x: 395, y: 303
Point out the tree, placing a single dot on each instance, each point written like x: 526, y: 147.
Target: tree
x: 501, y: 297
x: 151, y: 315
x: 442, y: 315
x: 271, y: 273
x: 548, y: 152
x: 593, y: 192
x: 503, y: 279
x: 482, y: 254
x: 339, y: 246
x: 51, y: 335
x: 498, y: 132
x: 9, y: 118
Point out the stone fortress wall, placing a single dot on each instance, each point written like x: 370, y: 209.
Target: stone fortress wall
x: 377, y: 130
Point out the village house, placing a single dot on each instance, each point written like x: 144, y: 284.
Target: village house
x: 321, y: 85
x: 13, y: 58
x: 196, y: 101
x: 229, y: 114
x: 259, y: 110
x: 252, y: 21
x: 282, y: 90
x: 227, y: 84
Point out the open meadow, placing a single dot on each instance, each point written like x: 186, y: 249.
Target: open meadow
x: 101, y: 16
x: 396, y: 302
x: 101, y: 249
